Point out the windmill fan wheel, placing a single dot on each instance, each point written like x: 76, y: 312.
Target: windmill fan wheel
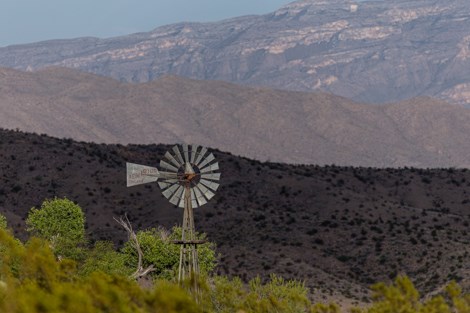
x: 189, y: 166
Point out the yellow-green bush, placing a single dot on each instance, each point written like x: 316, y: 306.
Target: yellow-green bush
x: 402, y: 297
x: 35, y: 278
x: 62, y: 223
x: 104, y: 258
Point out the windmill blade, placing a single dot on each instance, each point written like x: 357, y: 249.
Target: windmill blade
x: 178, y: 200
x: 170, y: 158
x: 211, y: 176
x: 140, y: 174
x: 205, y: 191
x: 168, y: 166
x: 200, y: 156
x: 176, y: 149
x: 193, y: 153
x: 209, y: 184
x: 207, y: 160
x: 167, y: 183
x: 209, y: 195
x: 181, y: 203
x: 210, y: 168
x: 186, y: 152
x: 168, y: 175
x: 199, y: 196
x: 193, y: 199
x: 170, y: 191
x: 176, y: 197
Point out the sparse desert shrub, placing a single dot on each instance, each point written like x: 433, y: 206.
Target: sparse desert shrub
x: 16, y: 188
x: 312, y: 232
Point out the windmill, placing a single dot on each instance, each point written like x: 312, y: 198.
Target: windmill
x: 188, y: 179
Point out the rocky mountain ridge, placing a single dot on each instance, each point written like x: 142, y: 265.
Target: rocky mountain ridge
x: 372, y: 51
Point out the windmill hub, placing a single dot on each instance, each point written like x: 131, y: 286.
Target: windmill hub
x: 189, y: 173
x: 189, y: 177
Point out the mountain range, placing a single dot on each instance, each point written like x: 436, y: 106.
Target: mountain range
x: 275, y: 125
x: 368, y: 51
x: 339, y: 229
x: 360, y: 98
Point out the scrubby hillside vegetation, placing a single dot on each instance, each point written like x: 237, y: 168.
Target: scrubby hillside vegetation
x: 60, y: 271
x: 339, y: 229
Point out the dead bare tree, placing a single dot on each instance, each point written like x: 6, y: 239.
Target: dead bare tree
x: 134, y: 241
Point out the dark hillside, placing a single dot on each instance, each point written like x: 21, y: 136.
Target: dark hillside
x: 339, y: 228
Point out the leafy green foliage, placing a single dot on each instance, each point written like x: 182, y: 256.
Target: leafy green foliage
x: 277, y: 295
x: 158, y: 250
x: 325, y: 308
x: 57, y: 217
x: 41, y: 283
x: 62, y: 223
x: 104, y: 258
x: 402, y: 297
x: 34, y: 279
x: 227, y: 295
x: 3, y: 222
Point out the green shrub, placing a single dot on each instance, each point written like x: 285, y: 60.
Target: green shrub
x: 278, y: 295
x: 62, y: 223
x: 158, y: 249
x: 33, y: 280
x: 104, y: 258
x: 3, y: 222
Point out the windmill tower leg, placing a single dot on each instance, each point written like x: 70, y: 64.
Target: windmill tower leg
x: 188, y: 266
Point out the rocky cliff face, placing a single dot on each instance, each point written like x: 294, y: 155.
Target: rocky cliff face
x: 373, y: 51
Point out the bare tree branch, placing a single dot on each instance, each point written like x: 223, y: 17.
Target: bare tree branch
x: 53, y: 245
x: 134, y: 241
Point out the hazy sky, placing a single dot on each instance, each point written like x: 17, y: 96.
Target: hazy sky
x: 23, y: 21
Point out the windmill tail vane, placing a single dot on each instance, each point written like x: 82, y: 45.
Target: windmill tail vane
x: 140, y: 174
x: 188, y: 178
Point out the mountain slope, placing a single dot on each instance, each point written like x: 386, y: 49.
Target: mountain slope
x: 372, y: 51
x: 259, y: 123
x: 338, y: 228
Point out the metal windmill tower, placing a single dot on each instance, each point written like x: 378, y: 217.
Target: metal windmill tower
x: 188, y: 179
